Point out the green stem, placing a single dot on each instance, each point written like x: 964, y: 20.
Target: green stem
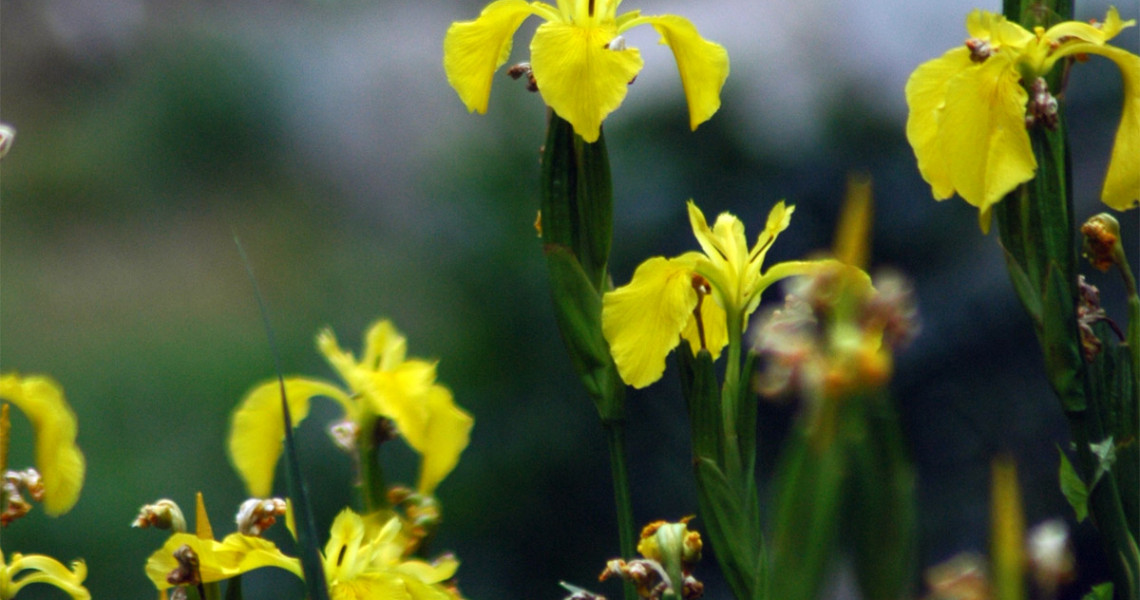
x: 372, y: 486
x: 615, y: 435
x: 730, y: 397
x: 1133, y: 315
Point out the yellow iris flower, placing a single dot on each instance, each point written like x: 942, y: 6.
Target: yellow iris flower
x: 362, y: 559
x: 967, y: 121
x: 382, y: 383
x: 645, y: 319
x: 58, y: 459
x: 579, y: 59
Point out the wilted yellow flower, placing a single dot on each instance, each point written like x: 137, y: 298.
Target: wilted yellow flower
x: 645, y: 319
x: 579, y: 60
x: 969, y: 109
x: 58, y: 459
x: 46, y: 570
x: 383, y: 383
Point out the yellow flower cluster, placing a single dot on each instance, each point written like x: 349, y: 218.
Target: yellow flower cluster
x: 383, y: 383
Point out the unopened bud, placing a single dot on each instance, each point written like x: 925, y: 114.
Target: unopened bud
x: 256, y: 515
x: 164, y: 514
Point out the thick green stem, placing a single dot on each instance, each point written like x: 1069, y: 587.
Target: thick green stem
x: 1038, y: 233
x: 615, y: 435
x: 730, y: 398
x: 372, y: 491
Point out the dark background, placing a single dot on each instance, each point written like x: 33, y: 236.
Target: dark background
x: 324, y: 135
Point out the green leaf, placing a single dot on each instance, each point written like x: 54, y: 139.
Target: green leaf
x: 1059, y: 341
x: 1073, y: 488
x: 1029, y: 294
x: 1100, y: 591
x: 737, y: 545
x: 1105, y: 453
x: 809, y: 483
x: 578, y: 310
x: 881, y: 515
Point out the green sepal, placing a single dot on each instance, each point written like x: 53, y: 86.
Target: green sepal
x: 1100, y: 591
x: 1073, y: 488
x: 809, y: 498
x: 881, y: 516
x: 701, y: 392
x: 578, y: 311
x: 577, y: 198
x: 1058, y: 332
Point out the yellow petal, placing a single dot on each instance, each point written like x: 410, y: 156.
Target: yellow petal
x: 926, y: 97
x: 473, y: 50
x: 703, y: 65
x: 258, y: 427
x: 233, y: 556
x: 643, y: 319
x: 442, y: 440
x: 983, y: 134
x: 47, y: 570
x: 997, y: 30
x: 1122, y: 182
x: 579, y: 77
x: 58, y: 459
x: 384, y: 347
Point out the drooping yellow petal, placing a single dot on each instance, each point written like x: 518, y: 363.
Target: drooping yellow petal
x: 643, y: 319
x: 926, y: 97
x: 474, y: 50
x: 46, y: 570
x: 579, y: 76
x: 983, y: 134
x: 233, y: 556
x: 703, y: 65
x: 258, y: 427
x: 444, y: 438
x: 1122, y: 182
x: 58, y: 459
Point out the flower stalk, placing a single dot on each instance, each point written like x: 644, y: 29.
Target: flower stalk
x: 1037, y: 229
x: 577, y: 229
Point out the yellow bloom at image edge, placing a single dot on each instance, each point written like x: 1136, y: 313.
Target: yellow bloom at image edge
x: 967, y: 119
x: 579, y: 59
x: 58, y: 459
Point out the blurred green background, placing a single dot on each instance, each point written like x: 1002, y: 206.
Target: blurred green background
x: 325, y: 136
